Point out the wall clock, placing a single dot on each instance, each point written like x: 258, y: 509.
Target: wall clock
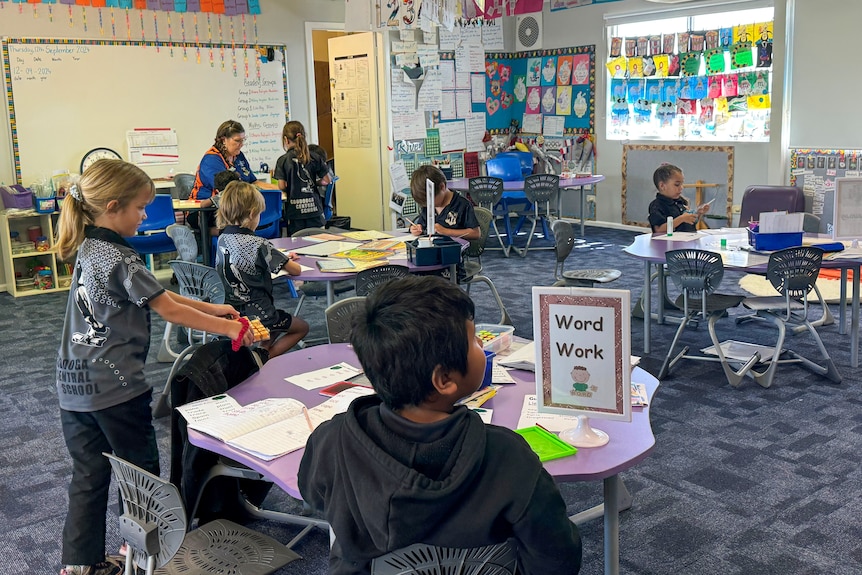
x: 98, y: 154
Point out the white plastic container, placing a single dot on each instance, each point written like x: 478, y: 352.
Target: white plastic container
x: 497, y: 337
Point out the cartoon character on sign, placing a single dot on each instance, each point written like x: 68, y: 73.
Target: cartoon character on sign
x: 580, y: 107
x: 520, y: 89
x: 580, y: 377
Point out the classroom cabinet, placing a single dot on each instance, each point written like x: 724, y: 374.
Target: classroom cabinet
x: 22, y: 260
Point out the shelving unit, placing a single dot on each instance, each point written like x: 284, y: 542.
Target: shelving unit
x: 22, y: 262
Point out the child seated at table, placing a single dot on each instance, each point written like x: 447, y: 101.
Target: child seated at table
x: 454, y: 215
x: 245, y: 263
x: 669, y: 202
x: 220, y: 182
x: 408, y: 466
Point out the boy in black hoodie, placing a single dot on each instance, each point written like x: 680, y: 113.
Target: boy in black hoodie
x: 407, y: 466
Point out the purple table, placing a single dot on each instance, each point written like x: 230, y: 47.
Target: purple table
x: 463, y: 185
x: 314, y: 274
x: 630, y: 442
x: 652, y: 251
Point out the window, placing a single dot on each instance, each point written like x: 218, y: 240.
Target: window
x: 692, y: 78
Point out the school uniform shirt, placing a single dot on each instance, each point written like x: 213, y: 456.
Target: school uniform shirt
x: 245, y: 261
x: 303, y: 200
x: 383, y: 483
x: 458, y: 214
x: 211, y: 164
x: 106, y: 333
x: 662, y: 207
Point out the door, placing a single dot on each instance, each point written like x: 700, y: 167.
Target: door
x: 359, y: 129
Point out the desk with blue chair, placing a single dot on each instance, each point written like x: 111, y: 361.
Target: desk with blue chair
x: 270, y: 220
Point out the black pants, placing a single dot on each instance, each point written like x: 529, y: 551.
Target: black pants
x: 126, y: 430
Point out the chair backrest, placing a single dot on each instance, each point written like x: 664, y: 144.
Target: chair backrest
x: 369, y: 280
x: 149, y: 503
x: 696, y: 272
x: 810, y: 223
x: 505, y: 168
x: 793, y: 271
x: 525, y: 160
x: 541, y: 188
x: 486, y: 191
x: 160, y: 214
x: 759, y: 199
x: 270, y: 220
x: 339, y: 318
x: 564, y: 241
x: 424, y: 559
x: 476, y: 247
x: 183, y: 184
x: 309, y: 232
x: 198, y: 281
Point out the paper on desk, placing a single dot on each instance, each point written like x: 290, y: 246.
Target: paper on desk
x: 780, y: 222
x: 325, y: 376
x: 530, y: 416
x: 523, y: 358
x: 723, y: 231
x: 206, y: 409
x: 325, y: 248
x: 678, y: 237
x: 500, y: 374
x: 365, y: 235
x: 283, y: 272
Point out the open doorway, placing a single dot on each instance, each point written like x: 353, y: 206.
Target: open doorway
x: 317, y: 35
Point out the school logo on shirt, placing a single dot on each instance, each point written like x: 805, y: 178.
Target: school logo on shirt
x: 97, y: 332
x: 451, y: 219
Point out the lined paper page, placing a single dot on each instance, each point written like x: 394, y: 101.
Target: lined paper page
x: 249, y: 418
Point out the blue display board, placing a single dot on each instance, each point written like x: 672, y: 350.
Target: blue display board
x: 558, y: 83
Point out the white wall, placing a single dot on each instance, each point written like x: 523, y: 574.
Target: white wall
x: 281, y: 22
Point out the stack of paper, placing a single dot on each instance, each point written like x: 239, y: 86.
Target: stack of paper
x: 523, y: 358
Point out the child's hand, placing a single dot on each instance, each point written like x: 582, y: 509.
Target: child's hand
x: 440, y: 230
x: 292, y: 256
x: 224, y: 310
x: 704, y: 209
x: 689, y: 218
x: 416, y: 230
x: 247, y: 337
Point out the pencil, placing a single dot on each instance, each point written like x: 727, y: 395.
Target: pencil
x: 411, y: 222
x: 307, y: 418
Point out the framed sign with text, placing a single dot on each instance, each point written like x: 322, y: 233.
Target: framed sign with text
x: 583, y: 351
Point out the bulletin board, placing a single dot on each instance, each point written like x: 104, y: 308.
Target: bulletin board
x: 541, y: 86
x: 815, y: 170
x: 710, y: 164
x: 66, y: 97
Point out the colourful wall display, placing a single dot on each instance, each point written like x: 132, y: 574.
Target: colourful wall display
x: 543, y: 91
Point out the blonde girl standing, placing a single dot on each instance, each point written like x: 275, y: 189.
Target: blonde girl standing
x: 102, y: 389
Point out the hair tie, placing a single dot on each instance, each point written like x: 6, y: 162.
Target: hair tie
x: 235, y: 344
x: 76, y: 193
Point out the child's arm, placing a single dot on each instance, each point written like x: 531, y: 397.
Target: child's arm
x: 466, y: 233
x: 173, y: 308
x: 292, y: 266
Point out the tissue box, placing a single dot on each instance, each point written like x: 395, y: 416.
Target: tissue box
x: 443, y: 251
x: 772, y: 242
x: 16, y: 197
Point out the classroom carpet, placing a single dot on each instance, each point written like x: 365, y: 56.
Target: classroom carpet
x: 741, y: 481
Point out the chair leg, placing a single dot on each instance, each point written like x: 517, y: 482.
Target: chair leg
x: 166, y: 353
x: 734, y: 377
x: 669, y: 361
x: 826, y: 319
x: 504, y: 315
x: 523, y: 251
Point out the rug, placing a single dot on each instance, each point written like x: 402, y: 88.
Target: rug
x: 830, y: 288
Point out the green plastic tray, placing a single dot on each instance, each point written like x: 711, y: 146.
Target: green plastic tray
x: 546, y: 445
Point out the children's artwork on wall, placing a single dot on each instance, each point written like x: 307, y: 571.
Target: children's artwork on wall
x: 556, y: 84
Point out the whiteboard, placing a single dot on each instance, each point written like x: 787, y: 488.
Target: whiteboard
x: 709, y: 164
x: 66, y: 97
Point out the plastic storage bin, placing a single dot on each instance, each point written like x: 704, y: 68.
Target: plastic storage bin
x: 46, y: 205
x: 771, y: 242
x: 16, y: 197
x: 495, y: 337
x: 443, y: 251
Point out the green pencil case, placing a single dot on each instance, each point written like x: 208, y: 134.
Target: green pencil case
x: 546, y: 445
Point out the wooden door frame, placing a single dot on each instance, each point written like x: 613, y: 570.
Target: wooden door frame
x: 309, y: 70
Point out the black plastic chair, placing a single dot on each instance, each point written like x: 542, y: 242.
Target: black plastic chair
x: 698, y: 273
x: 793, y: 273
x: 424, y: 559
x: 486, y: 192
x: 339, y: 318
x: 541, y: 191
x: 183, y: 184
x: 369, y: 280
x: 473, y: 263
x: 564, y: 242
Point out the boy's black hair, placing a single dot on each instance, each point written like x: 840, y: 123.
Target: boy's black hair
x: 417, y: 182
x: 408, y: 327
x: 223, y: 178
x: 663, y: 173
